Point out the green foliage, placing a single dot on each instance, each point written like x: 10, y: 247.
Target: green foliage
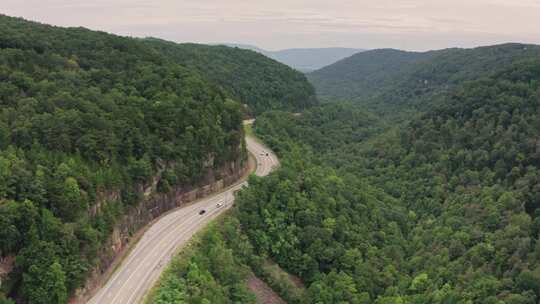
x: 216, y: 266
x: 211, y: 271
x: 391, y: 81
x: 441, y: 209
x: 3, y: 300
x: 322, y: 128
x: 311, y: 221
x: 45, y: 285
x: 246, y: 76
x: 363, y: 74
x: 84, y: 114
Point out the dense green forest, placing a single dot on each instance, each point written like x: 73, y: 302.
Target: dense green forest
x: 390, y: 81
x: 84, y: 113
x: 442, y: 206
x: 362, y: 74
x: 443, y: 209
x: 247, y: 76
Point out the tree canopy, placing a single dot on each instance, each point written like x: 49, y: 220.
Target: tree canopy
x: 392, y: 81
x: 247, y: 76
x: 443, y: 208
x: 84, y: 114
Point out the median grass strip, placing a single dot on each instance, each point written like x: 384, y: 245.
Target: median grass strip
x: 215, y: 267
x: 207, y: 270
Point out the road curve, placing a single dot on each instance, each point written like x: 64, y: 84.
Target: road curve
x: 143, y: 266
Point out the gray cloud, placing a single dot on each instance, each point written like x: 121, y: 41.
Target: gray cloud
x: 410, y: 24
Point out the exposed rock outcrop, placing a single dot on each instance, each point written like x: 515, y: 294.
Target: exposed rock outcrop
x: 131, y: 225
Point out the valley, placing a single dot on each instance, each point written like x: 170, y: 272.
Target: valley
x: 142, y: 170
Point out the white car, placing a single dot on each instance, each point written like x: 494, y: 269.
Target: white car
x: 219, y: 205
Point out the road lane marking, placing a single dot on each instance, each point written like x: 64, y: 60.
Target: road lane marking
x: 184, y: 221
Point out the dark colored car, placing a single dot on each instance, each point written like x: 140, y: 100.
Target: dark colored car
x: 202, y: 212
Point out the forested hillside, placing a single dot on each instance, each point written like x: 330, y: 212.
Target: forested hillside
x: 441, y: 206
x: 390, y: 80
x: 86, y: 113
x: 445, y: 209
x: 362, y: 74
x: 246, y: 76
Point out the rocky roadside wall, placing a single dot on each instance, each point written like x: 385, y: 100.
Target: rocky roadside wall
x: 132, y: 225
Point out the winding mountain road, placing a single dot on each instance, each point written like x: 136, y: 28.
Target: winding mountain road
x: 143, y: 266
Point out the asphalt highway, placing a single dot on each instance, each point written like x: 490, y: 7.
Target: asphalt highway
x: 143, y: 266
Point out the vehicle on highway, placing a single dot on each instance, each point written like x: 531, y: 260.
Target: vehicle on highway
x: 202, y: 212
x: 219, y: 205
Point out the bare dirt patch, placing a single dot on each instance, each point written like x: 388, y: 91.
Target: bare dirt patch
x: 297, y: 281
x: 6, y: 265
x: 263, y: 292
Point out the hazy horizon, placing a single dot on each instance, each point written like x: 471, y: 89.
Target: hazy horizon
x: 416, y: 25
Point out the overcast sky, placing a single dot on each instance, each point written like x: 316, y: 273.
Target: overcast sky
x: 277, y: 24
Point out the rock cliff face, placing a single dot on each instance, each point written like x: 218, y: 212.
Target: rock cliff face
x: 131, y: 226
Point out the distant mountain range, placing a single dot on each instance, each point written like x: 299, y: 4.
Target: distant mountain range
x: 393, y: 79
x: 306, y: 59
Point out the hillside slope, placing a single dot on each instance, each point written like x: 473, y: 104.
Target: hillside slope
x: 390, y: 80
x: 359, y: 76
x: 444, y: 209
x: 246, y: 76
x: 90, y: 125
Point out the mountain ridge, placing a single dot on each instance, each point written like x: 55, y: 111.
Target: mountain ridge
x: 303, y: 59
x: 393, y: 79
